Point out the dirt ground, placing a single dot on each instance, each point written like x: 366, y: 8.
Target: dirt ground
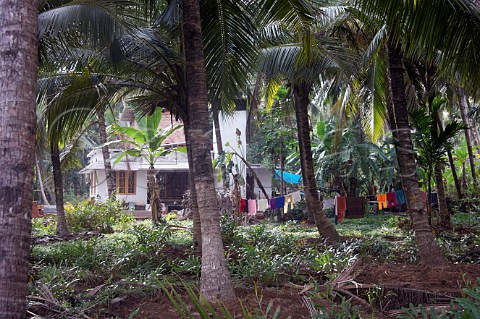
x: 447, y: 281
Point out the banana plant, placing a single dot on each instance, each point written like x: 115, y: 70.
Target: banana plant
x: 146, y: 142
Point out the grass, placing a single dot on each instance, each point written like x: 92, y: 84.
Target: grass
x: 266, y: 254
x: 373, y: 225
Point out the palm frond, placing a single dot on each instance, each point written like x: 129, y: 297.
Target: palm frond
x: 428, y: 27
x: 229, y: 46
x: 293, y: 13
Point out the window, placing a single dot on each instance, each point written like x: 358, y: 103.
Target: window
x: 172, y: 184
x: 125, y: 182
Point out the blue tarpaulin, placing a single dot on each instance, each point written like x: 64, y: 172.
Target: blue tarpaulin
x: 288, y: 177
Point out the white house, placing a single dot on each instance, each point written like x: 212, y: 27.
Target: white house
x: 130, y: 176
x: 130, y: 173
x: 172, y: 170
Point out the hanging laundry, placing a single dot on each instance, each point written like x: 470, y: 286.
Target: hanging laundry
x: 382, y: 201
x: 328, y: 203
x: 280, y: 202
x: 391, y: 199
x: 423, y: 196
x: 243, y: 205
x: 297, y: 196
x: 252, y: 207
x: 262, y: 205
x: 400, y: 196
x: 355, y: 207
x: 288, y: 203
x: 340, y: 207
x: 273, y: 203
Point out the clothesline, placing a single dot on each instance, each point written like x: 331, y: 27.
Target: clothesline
x: 252, y: 206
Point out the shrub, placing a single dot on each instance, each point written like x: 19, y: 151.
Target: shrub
x: 96, y: 217
x: 228, y: 229
x: 44, y: 226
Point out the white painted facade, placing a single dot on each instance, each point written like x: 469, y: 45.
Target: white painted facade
x: 174, y: 162
x: 265, y: 177
x: 230, y: 127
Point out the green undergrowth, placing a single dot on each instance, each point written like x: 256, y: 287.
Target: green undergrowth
x: 138, y: 257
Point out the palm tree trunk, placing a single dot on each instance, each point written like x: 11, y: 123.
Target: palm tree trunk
x: 102, y: 132
x: 430, y: 253
x: 473, y: 126
x: 462, y: 103
x: 197, y: 229
x: 458, y: 186
x: 18, y: 75
x: 438, y: 173
x: 215, y: 282
x: 62, y: 228
x: 314, y: 205
x: 442, y: 201
x: 252, y: 115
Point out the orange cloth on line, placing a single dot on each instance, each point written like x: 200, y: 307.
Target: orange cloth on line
x: 382, y: 201
x: 340, y: 207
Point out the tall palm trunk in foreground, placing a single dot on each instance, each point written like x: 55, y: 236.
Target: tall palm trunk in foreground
x: 18, y: 76
x: 314, y: 205
x: 430, y: 253
x: 215, y: 282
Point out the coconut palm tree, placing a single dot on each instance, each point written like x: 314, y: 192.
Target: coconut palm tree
x: 297, y: 50
x: 18, y: 62
x: 430, y: 253
x: 70, y: 32
x: 223, y: 55
x: 215, y: 282
x: 20, y: 21
x: 67, y: 106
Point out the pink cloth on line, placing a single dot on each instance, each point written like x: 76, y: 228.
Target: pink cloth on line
x: 252, y: 207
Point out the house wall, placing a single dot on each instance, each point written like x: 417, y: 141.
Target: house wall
x: 140, y: 196
x: 265, y: 176
x: 101, y: 189
x: 229, y: 124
